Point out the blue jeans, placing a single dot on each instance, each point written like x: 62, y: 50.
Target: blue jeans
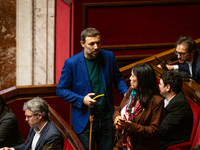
x: 102, y: 134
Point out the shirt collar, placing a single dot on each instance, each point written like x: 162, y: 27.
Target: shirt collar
x: 166, y: 102
x: 39, y: 132
x: 190, y: 62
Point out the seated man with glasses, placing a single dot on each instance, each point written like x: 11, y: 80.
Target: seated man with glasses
x: 188, y: 56
x: 43, y: 131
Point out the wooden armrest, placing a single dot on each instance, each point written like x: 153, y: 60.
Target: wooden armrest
x: 65, y: 129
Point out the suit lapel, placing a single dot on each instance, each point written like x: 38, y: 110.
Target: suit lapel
x: 103, y: 69
x: 171, y: 103
x: 45, y: 129
x: 194, y: 66
x: 83, y: 66
x: 32, y: 134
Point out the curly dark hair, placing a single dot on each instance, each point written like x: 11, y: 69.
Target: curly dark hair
x: 174, y: 79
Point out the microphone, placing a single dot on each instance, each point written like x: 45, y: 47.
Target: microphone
x: 91, y: 110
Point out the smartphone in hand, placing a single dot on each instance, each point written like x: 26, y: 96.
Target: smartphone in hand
x: 98, y: 97
x: 122, y: 120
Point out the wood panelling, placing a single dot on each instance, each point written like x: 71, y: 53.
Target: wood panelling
x: 138, y: 26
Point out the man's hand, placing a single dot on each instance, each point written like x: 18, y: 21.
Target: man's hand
x: 170, y: 67
x: 89, y: 101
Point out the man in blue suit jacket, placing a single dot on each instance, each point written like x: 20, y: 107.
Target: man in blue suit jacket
x: 85, y: 75
x: 42, y: 131
x: 188, y: 56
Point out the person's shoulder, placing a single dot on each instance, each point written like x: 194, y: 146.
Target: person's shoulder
x: 10, y: 115
x: 197, y: 54
x: 198, y: 50
x: 75, y: 57
x: 53, y: 126
x: 180, y: 96
x: 158, y: 99
x: 53, y: 131
x: 179, y: 101
x: 103, y: 51
x: 107, y: 54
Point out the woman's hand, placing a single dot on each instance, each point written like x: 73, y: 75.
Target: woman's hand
x: 122, y: 122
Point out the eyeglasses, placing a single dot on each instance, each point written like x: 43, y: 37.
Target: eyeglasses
x: 30, y: 116
x: 181, y: 54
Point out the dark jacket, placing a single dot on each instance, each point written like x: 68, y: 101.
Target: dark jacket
x: 176, y: 126
x: 50, y: 135
x: 9, y: 131
x: 195, y: 66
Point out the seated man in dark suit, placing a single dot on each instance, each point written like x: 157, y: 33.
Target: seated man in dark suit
x: 43, y: 131
x: 176, y: 126
x: 188, y: 56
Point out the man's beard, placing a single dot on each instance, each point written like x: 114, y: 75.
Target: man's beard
x: 181, y: 61
x: 90, y: 54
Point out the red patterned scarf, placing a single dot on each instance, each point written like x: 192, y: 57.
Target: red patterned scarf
x: 127, y: 145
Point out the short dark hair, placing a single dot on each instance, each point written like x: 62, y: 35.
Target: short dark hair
x: 174, y: 79
x: 188, y: 41
x: 89, y: 32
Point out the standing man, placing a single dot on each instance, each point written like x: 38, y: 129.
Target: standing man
x: 176, y: 126
x: 87, y: 74
x: 188, y: 56
x: 43, y: 131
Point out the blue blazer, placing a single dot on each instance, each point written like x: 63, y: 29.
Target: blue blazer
x: 195, y: 66
x: 50, y: 135
x: 74, y: 85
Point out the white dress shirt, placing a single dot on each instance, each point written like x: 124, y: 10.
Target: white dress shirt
x: 166, y: 102
x: 189, y: 64
x: 36, y: 137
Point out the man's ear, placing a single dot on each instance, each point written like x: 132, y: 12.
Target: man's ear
x: 40, y: 115
x: 82, y: 44
x: 168, y: 87
x: 192, y: 52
